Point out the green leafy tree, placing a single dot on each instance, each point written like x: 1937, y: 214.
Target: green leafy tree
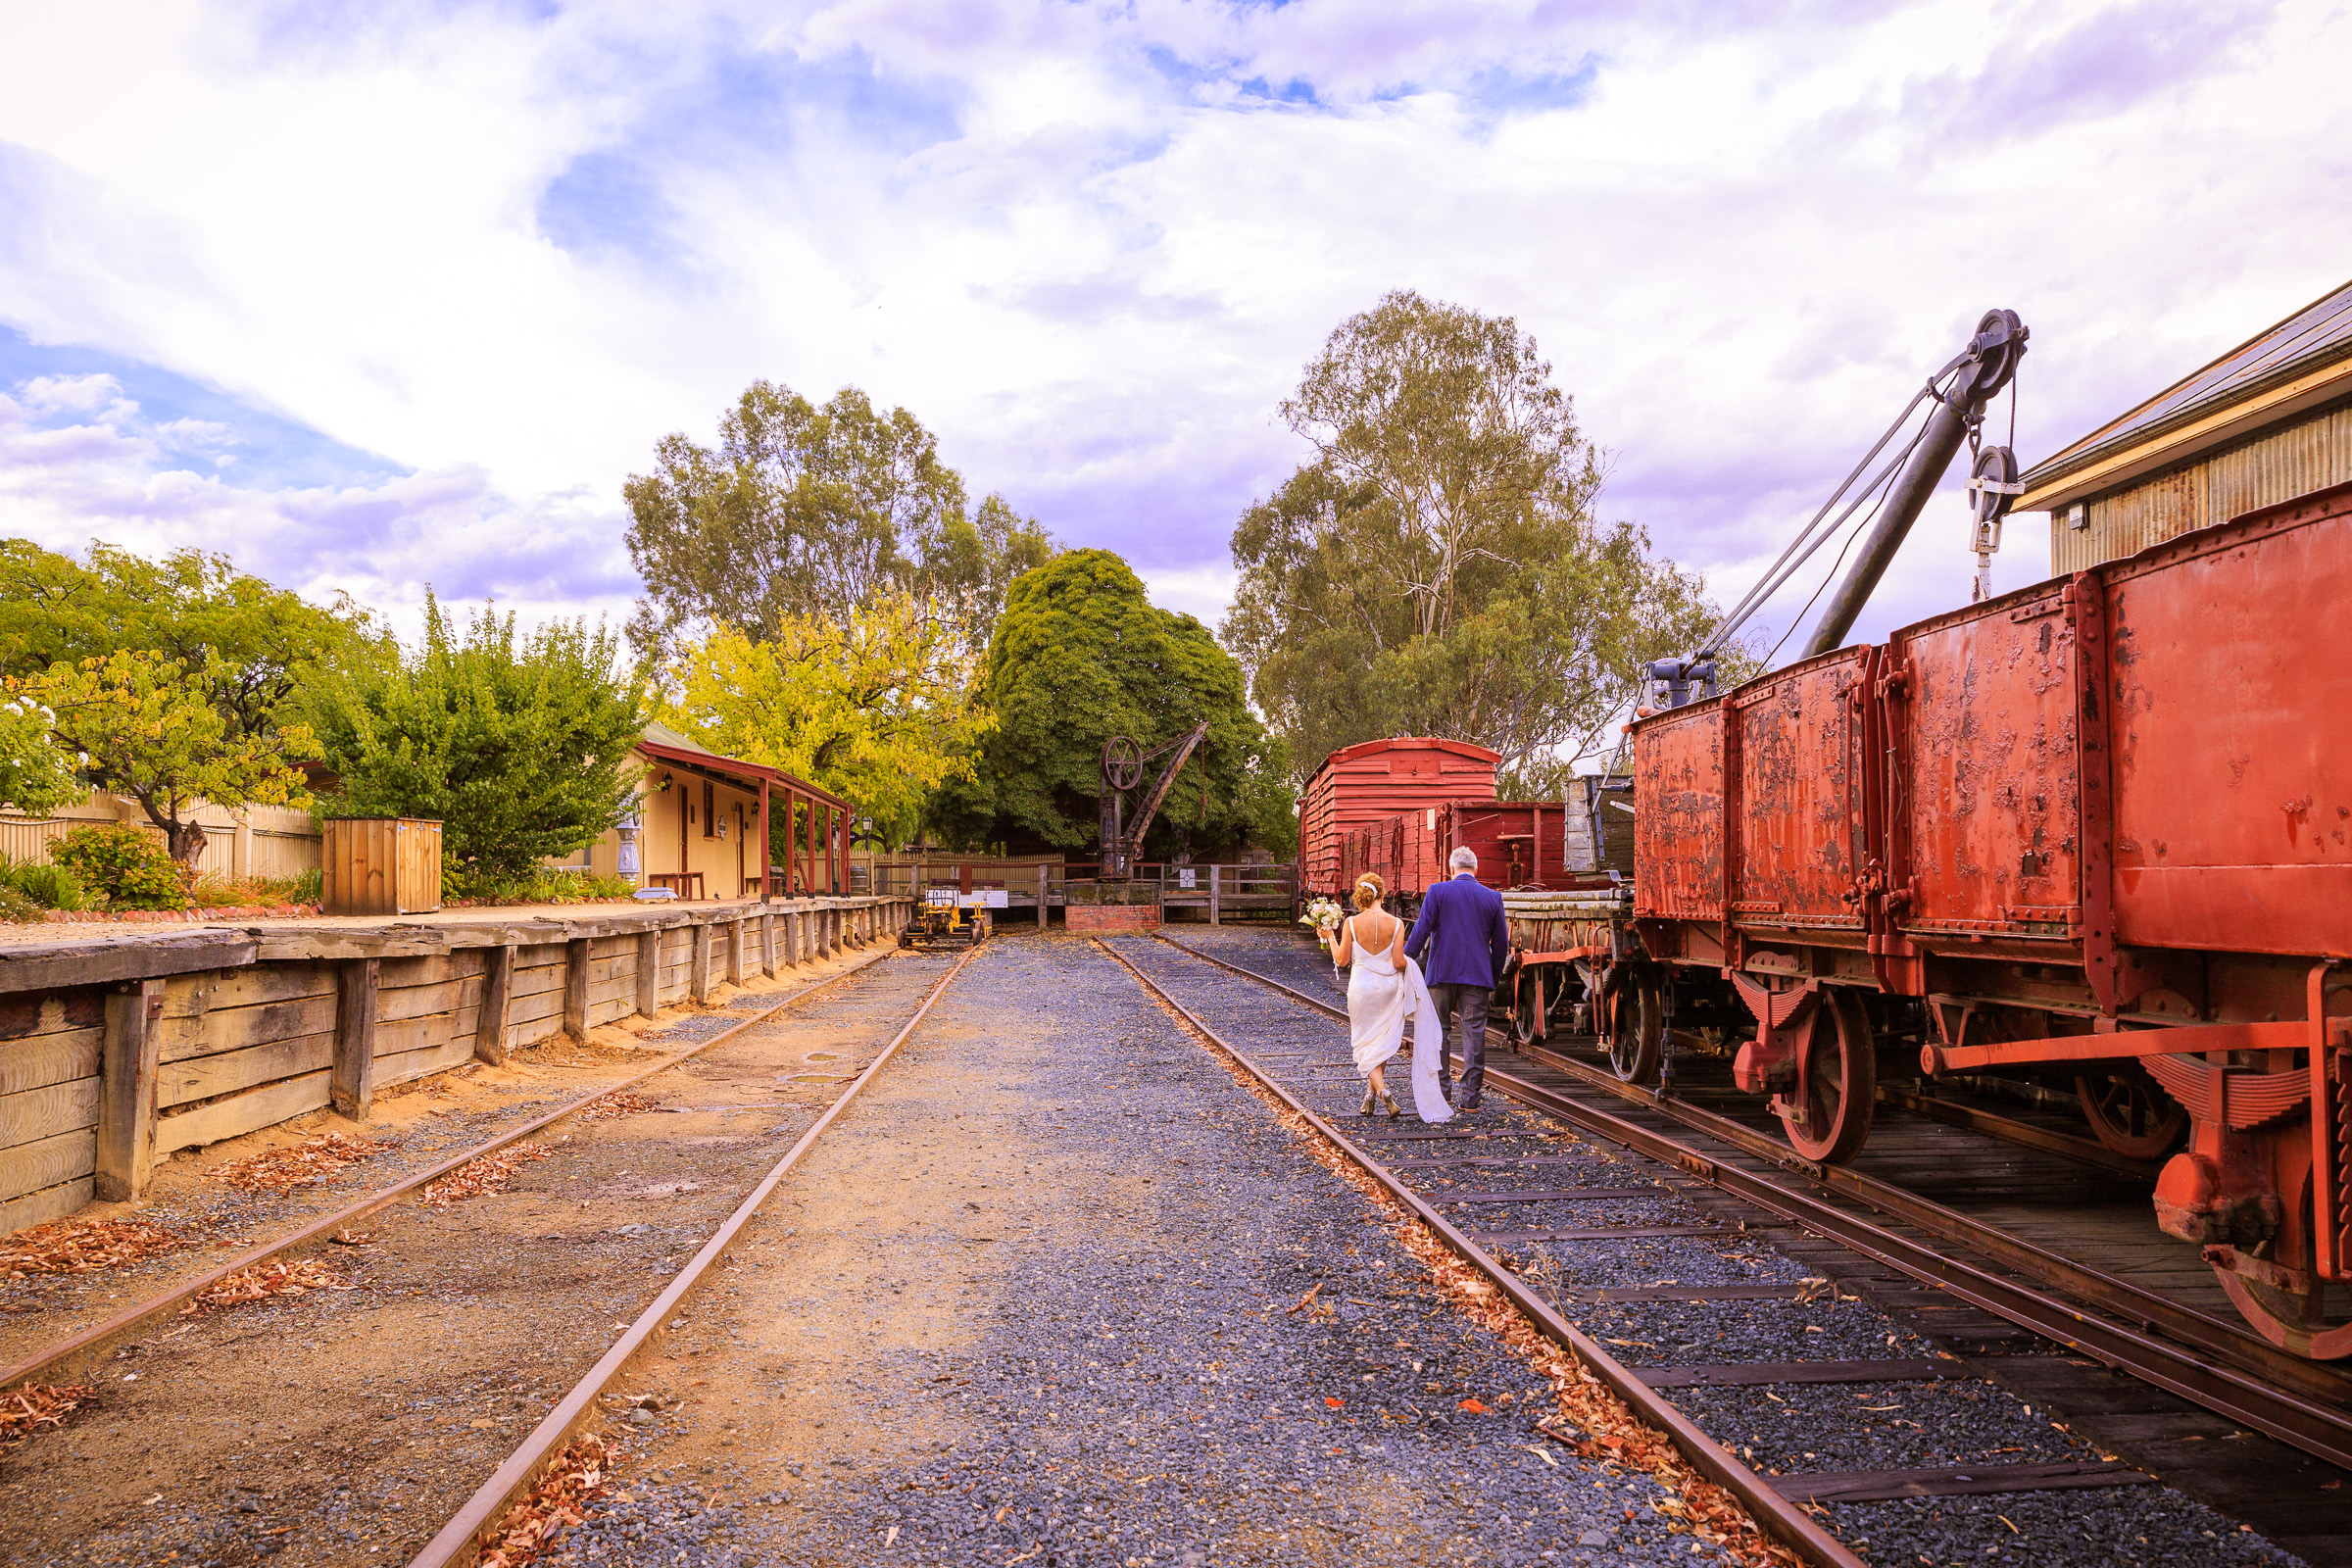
x: 37, y: 774
x: 1437, y: 568
x: 253, y: 647
x: 805, y: 512
x: 1080, y: 656
x: 146, y: 725
x: 873, y: 705
x: 517, y: 745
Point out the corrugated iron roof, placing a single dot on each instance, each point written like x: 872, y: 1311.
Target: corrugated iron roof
x: 2320, y: 332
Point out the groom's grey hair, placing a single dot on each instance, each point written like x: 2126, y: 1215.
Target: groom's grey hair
x: 1464, y: 858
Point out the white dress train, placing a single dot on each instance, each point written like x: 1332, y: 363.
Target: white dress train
x: 1379, y: 997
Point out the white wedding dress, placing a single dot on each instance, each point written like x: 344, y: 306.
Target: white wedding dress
x: 1379, y: 997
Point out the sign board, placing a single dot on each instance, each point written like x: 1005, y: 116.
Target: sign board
x: 940, y: 898
x: 983, y: 899
x: 1183, y: 878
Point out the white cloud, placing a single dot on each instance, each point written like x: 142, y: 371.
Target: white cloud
x: 1091, y: 245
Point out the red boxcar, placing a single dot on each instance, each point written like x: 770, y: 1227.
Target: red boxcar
x: 2100, y: 827
x: 1359, y: 785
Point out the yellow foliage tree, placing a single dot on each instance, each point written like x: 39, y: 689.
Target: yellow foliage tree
x: 876, y: 706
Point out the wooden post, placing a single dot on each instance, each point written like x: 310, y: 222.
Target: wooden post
x: 353, y: 1085
x: 575, y: 988
x: 768, y: 945
x: 735, y: 954
x: 1045, y: 885
x: 1212, y: 895
x: 649, y: 972
x: 765, y: 854
x: 490, y: 1024
x: 699, y: 970
x: 129, y: 1059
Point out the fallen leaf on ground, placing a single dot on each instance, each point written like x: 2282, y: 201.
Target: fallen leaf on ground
x: 1333, y: 1403
x: 25, y: 1410
x: 263, y: 1281
x: 77, y: 1245
x: 554, y: 1505
x: 1473, y: 1406
x: 620, y: 1102
x: 304, y: 1165
x: 478, y: 1178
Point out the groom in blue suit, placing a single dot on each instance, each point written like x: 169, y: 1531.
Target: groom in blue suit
x: 1472, y: 941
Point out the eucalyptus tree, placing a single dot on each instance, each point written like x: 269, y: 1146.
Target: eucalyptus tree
x: 1437, y: 568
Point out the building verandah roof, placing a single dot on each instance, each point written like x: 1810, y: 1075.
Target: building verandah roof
x: 666, y: 745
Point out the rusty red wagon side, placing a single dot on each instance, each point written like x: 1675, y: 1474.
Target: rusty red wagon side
x: 2101, y: 827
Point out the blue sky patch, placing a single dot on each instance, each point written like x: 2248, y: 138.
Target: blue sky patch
x: 271, y: 452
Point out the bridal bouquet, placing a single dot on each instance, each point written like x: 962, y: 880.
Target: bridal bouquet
x: 1325, y: 916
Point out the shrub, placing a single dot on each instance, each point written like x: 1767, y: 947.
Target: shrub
x: 217, y: 891
x: 15, y: 906
x: 546, y: 884
x: 123, y: 865
x: 47, y: 886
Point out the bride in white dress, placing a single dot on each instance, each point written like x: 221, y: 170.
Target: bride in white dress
x: 1384, y: 988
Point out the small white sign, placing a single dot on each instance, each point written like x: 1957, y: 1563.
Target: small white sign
x: 944, y: 898
x: 984, y: 899
x: 1184, y: 877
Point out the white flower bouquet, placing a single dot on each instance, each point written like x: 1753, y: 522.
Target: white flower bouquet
x: 1324, y: 915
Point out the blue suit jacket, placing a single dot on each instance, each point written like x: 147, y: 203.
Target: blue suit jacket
x: 1472, y: 937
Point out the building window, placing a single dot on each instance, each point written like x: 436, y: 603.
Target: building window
x: 710, y: 817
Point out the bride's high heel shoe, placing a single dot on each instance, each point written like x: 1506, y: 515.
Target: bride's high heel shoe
x: 1367, y: 1108
x: 1388, y: 1103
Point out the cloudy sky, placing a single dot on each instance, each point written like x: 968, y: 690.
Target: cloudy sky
x: 375, y: 296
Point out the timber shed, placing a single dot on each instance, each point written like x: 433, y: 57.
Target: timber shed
x: 2269, y: 420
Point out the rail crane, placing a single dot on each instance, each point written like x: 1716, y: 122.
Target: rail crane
x: 1123, y: 762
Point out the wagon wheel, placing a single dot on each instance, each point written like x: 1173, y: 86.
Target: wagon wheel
x: 1841, y: 1084
x: 1531, y: 1001
x: 2130, y: 1113
x: 2298, y: 1324
x: 1122, y: 762
x: 1639, y: 1031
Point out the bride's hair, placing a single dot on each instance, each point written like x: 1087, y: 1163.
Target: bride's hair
x: 1368, y: 889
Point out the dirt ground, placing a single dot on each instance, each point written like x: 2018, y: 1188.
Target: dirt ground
x: 414, y: 1125
x: 344, y: 1424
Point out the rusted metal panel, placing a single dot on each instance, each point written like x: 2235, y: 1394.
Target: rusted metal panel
x: 1677, y: 814
x: 2233, y: 767
x: 1375, y: 780
x: 1984, y: 800
x: 1519, y: 844
x: 1803, y: 837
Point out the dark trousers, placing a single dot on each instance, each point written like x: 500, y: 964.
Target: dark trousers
x: 1468, y: 1005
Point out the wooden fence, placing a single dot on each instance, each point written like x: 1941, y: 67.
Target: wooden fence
x: 116, y: 1051
x: 1037, y: 886
x: 272, y: 840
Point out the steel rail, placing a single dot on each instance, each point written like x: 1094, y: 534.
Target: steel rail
x: 1783, y: 1519
x: 461, y: 1536
x: 2285, y: 1413
x: 2150, y: 1311
x: 48, y: 1363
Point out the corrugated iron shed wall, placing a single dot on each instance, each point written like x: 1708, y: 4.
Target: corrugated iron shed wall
x: 2278, y: 464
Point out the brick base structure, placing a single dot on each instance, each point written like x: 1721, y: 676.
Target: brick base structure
x: 1111, y: 916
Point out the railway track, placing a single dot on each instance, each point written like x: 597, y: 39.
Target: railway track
x: 453, y: 1323
x: 1988, y: 1305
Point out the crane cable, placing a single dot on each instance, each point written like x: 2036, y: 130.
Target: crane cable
x: 1810, y: 538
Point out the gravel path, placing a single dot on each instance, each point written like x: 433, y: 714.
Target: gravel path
x: 1030, y: 1301
x: 1786, y: 1429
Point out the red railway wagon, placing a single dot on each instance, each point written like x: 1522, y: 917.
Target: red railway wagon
x: 1519, y: 844
x: 2102, y: 827
x: 1373, y: 781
